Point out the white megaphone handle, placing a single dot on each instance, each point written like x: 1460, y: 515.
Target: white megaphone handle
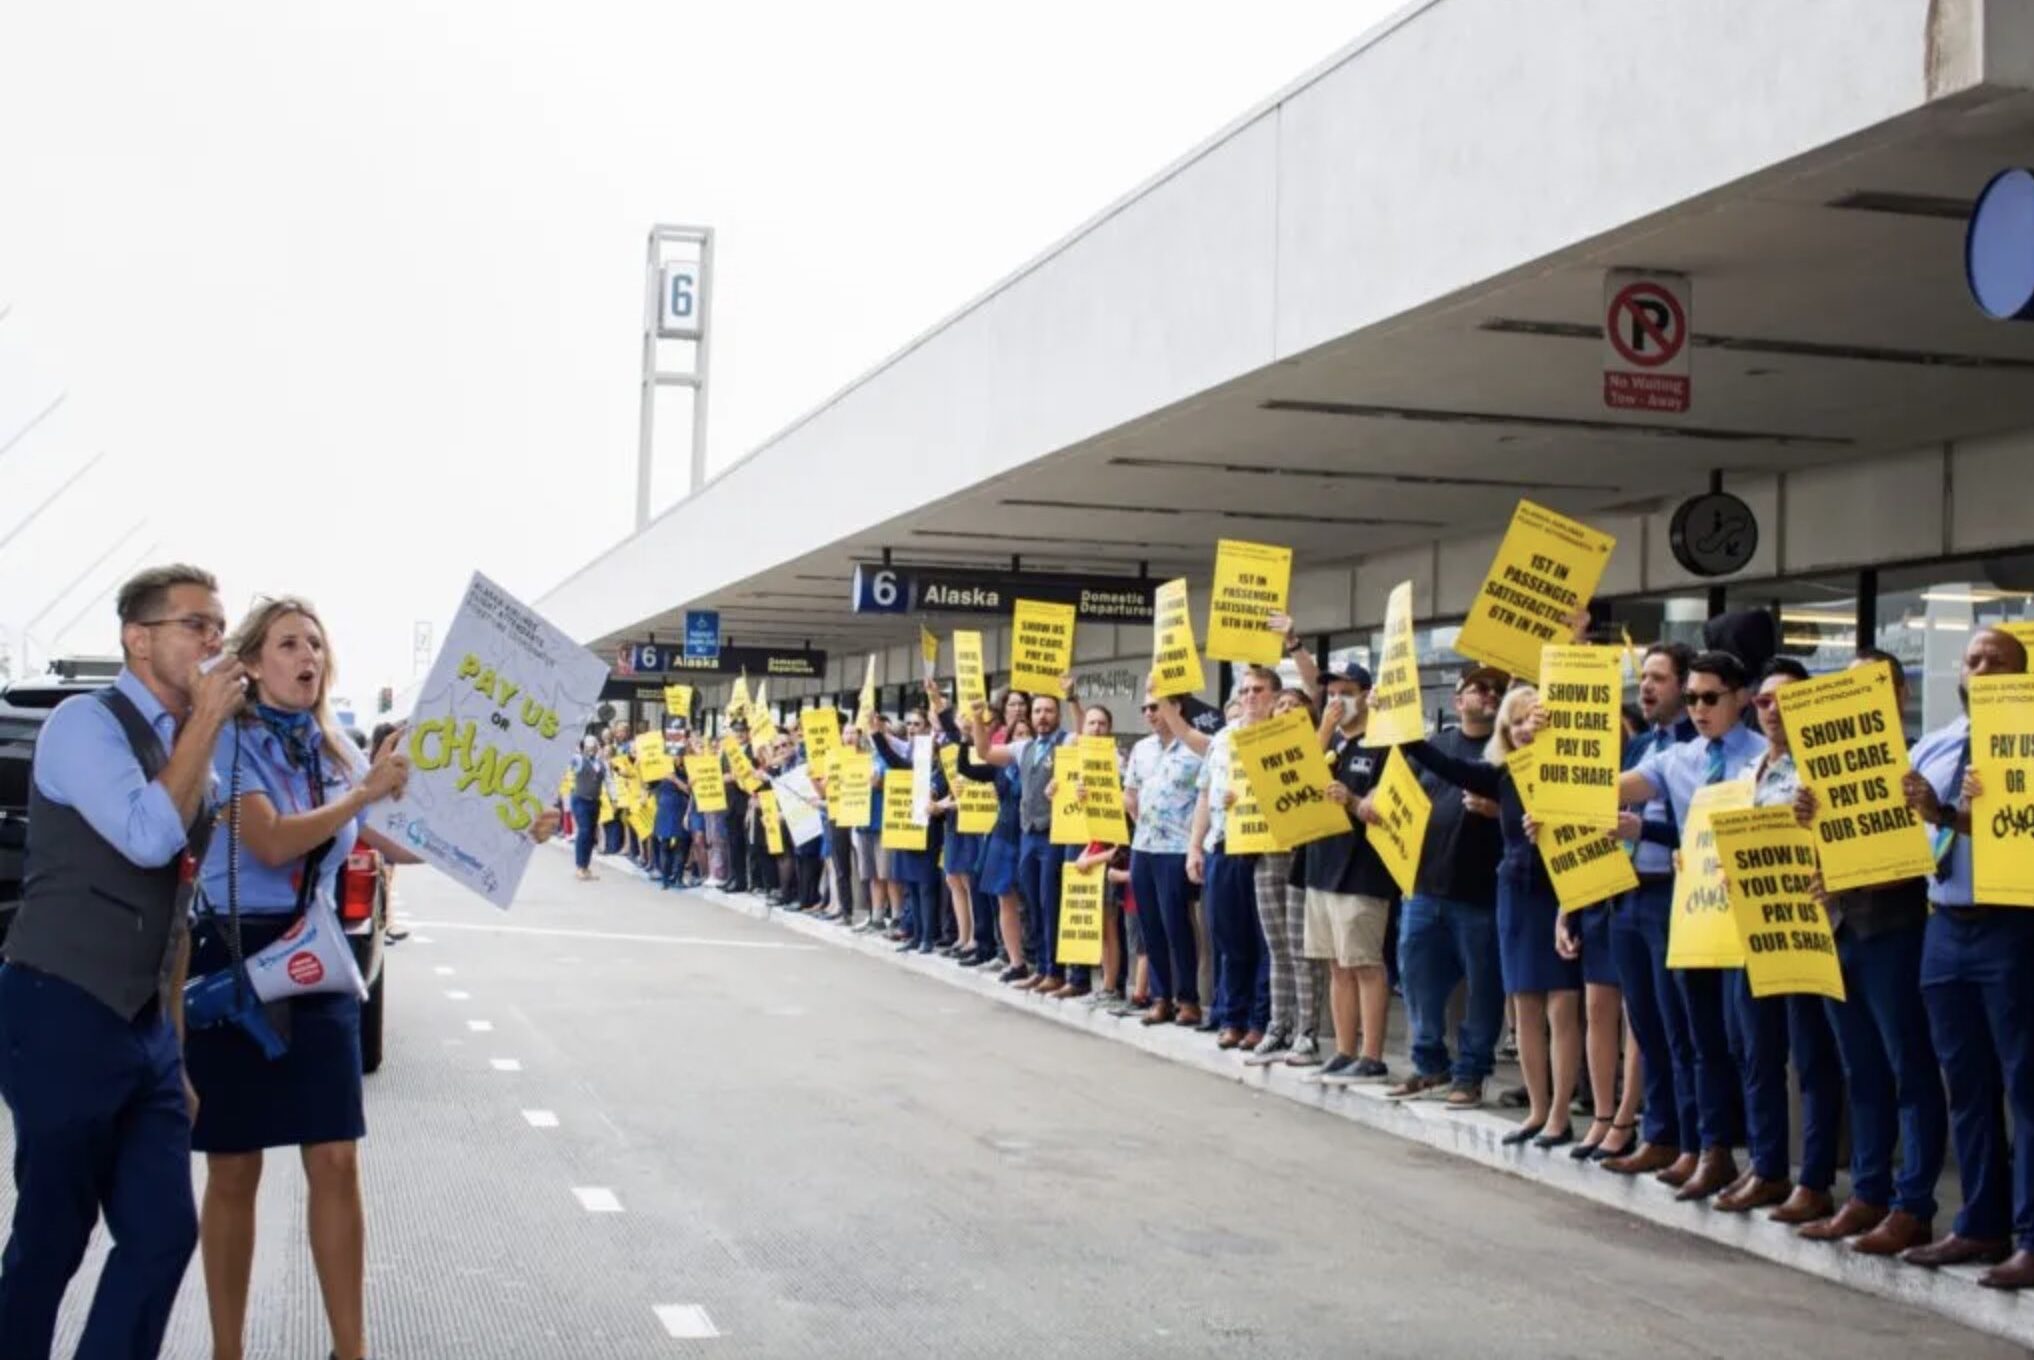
x: 312, y: 958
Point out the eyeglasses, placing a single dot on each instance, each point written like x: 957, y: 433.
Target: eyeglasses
x: 195, y: 624
x: 1703, y: 698
x: 1765, y: 703
x: 1151, y: 708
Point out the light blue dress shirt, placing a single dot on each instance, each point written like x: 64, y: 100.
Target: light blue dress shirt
x: 266, y: 769
x: 1678, y: 771
x: 83, y: 761
x: 1651, y: 858
x: 1940, y: 759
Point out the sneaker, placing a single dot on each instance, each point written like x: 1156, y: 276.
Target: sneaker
x: 1274, y: 1049
x: 1105, y: 997
x: 1465, y: 1095
x: 1336, y: 1073
x: 1370, y: 1071
x: 1306, y: 1052
x: 1416, y: 1086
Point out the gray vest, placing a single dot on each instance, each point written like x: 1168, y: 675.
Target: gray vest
x: 586, y: 783
x: 88, y: 914
x: 1034, y: 809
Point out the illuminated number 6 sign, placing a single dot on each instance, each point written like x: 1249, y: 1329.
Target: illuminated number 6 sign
x: 678, y: 304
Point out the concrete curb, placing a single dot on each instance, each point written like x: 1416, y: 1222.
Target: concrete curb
x: 1471, y: 1135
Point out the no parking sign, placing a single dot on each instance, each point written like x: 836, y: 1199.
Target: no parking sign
x: 1645, y: 341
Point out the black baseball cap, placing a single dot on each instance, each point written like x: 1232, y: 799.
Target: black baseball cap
x: 1483, y: 675
x: 1355, y: 674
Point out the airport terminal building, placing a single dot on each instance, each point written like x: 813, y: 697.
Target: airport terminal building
x: 1615, y: 258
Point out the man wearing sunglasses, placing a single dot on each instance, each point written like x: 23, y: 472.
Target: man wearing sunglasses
x: 1724, y: 750
x: 91, y: 997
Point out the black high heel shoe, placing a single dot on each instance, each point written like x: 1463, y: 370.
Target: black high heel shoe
x: 1604, y: 1154
x: 1584, y: 1151
x: 1547, y: 1141
x: 1521, y: 1135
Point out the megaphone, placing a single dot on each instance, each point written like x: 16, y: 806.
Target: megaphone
x: 310, y: 958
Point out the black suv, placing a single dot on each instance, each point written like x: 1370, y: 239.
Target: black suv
x: 26, y: 704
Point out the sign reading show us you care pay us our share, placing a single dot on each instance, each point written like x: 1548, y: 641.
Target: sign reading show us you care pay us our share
x: 497, y: 719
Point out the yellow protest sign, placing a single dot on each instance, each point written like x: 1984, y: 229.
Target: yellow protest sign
x: 1769, y: 872
x: 772, y: 818
x: 975, y: 802
x: 1282, y: 758
x: 678, y: 702
x: 1041, y: 646
x: 1175, y: 664
x: 828, y: 771
x: 628, y: 792
x: 739, y: 764
x: 2002, y: 816
x: 821, y: 729
x: 738, y: 698
x: 652, y: 759
x: 709, y: 790
x: 1845, y: 732
x: 1069, y: 813
x: 1405, y: 809
x: 606, y: 809
x: 565, y: 784
x: 2022, y: 631
x: 865, y: 705
x: 1545, y: 570
x: 1246, y: 830
x: 899, y: 831
x: 623, y: 767
x: 762, y: 699
x: 852, y: 789
x: 928, y: 649
x: 1396, y: 707
x: 1102, y: 792
x: 1080, y: 914
x: 1580, y: 750
x: 1252, y: 581
x: 1702, y: 932
x: 643, y: 817
x: 971, y: 676
x: 1632, y: 663
x: 1584, y: 863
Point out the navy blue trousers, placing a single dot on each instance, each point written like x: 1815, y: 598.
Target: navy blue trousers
x: 1770, y: 1032
x: 1242, y: 962
x: 1977, y: 978
x: 1719, y: 1102
x: 1889, y: 1063
x: 1165, y: 915
x: 1040, y: 864
x: 1659, y: 1024
x: 100, y: 1125
x: 585, y: 827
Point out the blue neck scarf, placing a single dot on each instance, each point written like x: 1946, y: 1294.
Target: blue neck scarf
x: 298, y: 733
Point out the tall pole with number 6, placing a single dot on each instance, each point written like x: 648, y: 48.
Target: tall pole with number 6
x: 677, y: 303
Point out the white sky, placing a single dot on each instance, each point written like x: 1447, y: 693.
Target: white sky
x: 350, y: 295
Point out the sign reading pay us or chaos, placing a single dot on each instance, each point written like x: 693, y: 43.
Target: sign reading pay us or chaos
x: 496, y: 717
x: 1282, y: 759
x: 2002, y: 815
x: 1545, y: 571
x: 1844, y: 728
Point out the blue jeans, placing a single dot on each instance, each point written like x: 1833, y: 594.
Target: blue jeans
x: 1719, y: 1108
x: 99, y: 1124
x: 1242, y: 963
x: 1440, y: 943
x: 1039, y: 864
x: 1652, y: 1002
x: 585, y: 826
x: 1165, y: 915
x: 1977, y: 978
x: 1895, y: 1083
x: 1770, y: 1031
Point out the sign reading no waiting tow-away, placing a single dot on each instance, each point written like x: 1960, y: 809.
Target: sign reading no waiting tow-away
x: 1645, y: 335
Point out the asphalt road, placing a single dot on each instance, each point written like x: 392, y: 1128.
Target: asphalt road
x: 619, y: 1123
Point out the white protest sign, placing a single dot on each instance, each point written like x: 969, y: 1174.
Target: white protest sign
x: 800, y: 804
x: 495, y: 724
x: 921, y: 780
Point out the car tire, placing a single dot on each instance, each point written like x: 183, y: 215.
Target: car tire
x: 370, y: 1026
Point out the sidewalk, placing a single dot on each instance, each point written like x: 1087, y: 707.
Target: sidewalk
x: 1472, y: 1135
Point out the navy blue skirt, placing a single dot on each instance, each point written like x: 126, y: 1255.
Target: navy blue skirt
x: 996, y: 871
x: 1591, y: 926
x: 1525, y: 942
x: 963, y: 854
x: 311, y: 1094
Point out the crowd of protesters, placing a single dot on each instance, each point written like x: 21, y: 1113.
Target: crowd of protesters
x: 1293, y: 959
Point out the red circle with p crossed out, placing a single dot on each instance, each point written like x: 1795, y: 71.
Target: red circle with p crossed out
x: 1632, y: 302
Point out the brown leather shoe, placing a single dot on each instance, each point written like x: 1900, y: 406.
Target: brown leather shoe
x: 1643, y: 1160
x: 1714, y: 1171
x: 1753, y: 1192
x: 1072, y: 991
x: 1678, y: 1172
x: 1854, y: 1218
x: 1161, y: 1013
x: 1959, y: 1251
x: 1188, y: 1014
x: 1251, y: 1039
x: 1229, y: 1038
x: 2016, y: 1273
x: 1804, y: 1206
x: 1898, y: 1232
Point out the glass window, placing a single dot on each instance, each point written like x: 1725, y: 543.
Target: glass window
x: 1926, y: 617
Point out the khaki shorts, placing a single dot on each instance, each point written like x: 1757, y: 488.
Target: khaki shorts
x: 1345, y: 928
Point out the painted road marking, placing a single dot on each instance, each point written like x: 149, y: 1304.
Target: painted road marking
x: 540, y: 1119
x: 505, y: 1064
x: 442, y: 971
x: 458, y: 996
x: 480, y: 1026
x: 422, y: 939
x: 596, y: 1199
x: 704, y: 940
x: 686, y: 1322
